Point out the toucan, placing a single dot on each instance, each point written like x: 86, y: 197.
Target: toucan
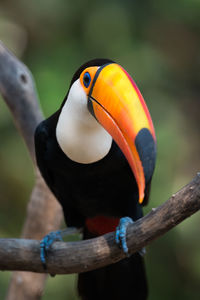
x: 97, y: 154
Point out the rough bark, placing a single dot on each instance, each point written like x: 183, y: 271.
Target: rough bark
x: 44, y: 213
x: 76, y: 257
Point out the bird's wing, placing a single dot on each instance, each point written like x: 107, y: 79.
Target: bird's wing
x: 42, y: 137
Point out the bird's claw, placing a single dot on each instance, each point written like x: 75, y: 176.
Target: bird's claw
x: 46, y: 243
x: 120, y: 235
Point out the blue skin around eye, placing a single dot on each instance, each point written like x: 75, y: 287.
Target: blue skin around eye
x: 86, y: 79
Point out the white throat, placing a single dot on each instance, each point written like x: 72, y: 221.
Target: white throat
x: 78, y: 133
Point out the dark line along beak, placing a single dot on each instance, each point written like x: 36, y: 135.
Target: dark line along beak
x: 119, y: 107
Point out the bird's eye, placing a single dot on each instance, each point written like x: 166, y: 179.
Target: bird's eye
x: 86, y: 79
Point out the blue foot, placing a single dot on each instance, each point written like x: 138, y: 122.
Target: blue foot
x: 120, y: 236
x: 46, y: 242
x: 53, y: 236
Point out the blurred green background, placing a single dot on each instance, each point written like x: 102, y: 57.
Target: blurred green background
x: 158, y: 43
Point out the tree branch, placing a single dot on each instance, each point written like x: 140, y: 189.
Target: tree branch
x: 76, y: 257
x: 18, y: 90
x: 44, y: 213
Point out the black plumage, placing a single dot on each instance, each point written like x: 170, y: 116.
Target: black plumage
x: 103, y: 188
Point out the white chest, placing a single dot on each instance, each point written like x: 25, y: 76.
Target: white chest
x: 78, y: 133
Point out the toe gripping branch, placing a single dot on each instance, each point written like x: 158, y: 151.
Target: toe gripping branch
x: 45, y: 244
x: 120, y: 235
x: 50, y: 238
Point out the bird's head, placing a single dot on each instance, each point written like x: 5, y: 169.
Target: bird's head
x: 102, y: 95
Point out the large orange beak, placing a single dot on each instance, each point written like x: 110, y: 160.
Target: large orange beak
x: 119, y: 107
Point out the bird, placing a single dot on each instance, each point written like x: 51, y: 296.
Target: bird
x: 97, y: 154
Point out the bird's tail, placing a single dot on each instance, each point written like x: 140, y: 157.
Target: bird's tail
x: 123, y: 280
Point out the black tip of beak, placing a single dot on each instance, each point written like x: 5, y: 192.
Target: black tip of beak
x: 146, y: 147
